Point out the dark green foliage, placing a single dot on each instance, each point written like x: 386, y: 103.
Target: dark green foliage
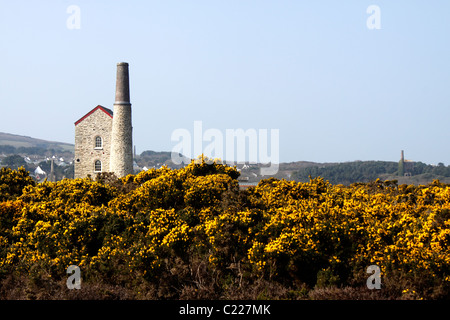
x: 14, y: 161
x: 347, y: 173
x: 365, y: 171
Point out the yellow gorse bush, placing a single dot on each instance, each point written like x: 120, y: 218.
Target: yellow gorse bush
x: 278, y: 229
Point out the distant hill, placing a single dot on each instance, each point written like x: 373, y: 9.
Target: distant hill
x: 13, y: 143
x: 337, y: 173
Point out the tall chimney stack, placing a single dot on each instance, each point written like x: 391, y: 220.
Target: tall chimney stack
x: 121, y: 162
x: 401, y: 165
x: 122, y: 84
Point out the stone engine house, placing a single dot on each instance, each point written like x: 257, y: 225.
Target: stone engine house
x: 103, y: 138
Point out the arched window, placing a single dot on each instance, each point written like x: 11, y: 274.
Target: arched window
x: 98, y: 166
x: 98, y: 142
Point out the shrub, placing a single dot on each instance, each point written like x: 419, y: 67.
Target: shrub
x: 12, y: 182
x: 191, y: 233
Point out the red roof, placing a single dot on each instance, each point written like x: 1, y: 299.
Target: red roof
x: 105, y: 110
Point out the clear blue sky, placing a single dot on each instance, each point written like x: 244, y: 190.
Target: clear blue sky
x: 336, y: 90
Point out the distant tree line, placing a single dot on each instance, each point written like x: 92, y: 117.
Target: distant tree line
x: 150, y: 158
x: 419, y: 168
x: 365, y: 171
x: 14, y: 161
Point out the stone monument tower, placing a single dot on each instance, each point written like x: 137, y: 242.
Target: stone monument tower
x: 121, y: 161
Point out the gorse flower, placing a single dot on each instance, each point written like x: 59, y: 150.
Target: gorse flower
x: 278, y: 229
